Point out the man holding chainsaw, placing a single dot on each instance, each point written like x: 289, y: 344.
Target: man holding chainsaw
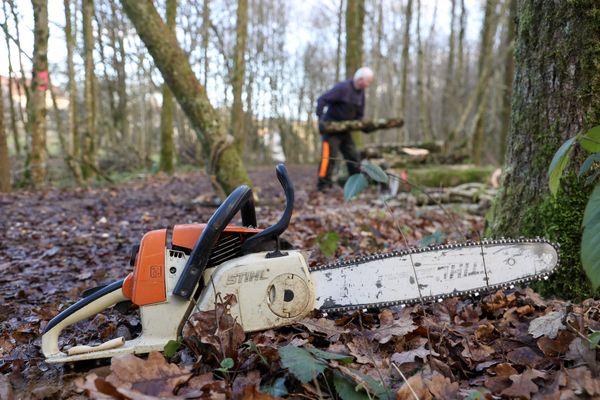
x: 343, y: 102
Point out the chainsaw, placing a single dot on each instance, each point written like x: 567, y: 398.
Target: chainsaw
x: 184, y: 270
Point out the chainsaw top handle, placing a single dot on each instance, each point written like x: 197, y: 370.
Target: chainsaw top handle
x: 240, y: 199
x: 272, y: 233
x: 196, y: 263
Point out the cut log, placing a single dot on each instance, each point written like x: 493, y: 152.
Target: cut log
x: 365, y: 126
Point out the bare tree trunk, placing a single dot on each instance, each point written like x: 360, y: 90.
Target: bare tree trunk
x: 166, y: 112
x: 449, y: 94
x: 509, y: 72
x: 423, y: 130
x: 225, y: 165
x: 75, y: 146
x: 5, y: 185
x: 122, y: 114
x: 89, y: 142
x: 405, y: 65
x: 485, y: 60
x: 11, y: 104
x: 239, y: 73
x: 460, y: 68
x: 355, y: 15
x: 338, y: 51
x: 39, y: 85
x: 205, y: 37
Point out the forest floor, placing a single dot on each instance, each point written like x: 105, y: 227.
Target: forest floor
x: 58, y: 242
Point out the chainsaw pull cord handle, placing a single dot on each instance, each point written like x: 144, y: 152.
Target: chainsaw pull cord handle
x: 240, y: 199
x: 273, y: 232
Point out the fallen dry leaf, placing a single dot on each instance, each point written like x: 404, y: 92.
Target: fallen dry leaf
x: 414, y: 386
x: 153, y: 376
x: 547, y: 325
x: 443, y: 388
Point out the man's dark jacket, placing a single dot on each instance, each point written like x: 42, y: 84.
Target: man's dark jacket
x: 344, y: 102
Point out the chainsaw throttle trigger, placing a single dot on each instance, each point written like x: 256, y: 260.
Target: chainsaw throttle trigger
x: 240, y: 199
x: 271, y: 234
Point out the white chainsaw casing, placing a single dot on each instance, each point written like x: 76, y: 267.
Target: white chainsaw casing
x: 270, y: 292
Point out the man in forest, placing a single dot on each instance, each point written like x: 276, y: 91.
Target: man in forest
x: 343, y: 102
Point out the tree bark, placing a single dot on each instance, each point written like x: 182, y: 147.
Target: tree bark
x: 225, y: 165
x: 509, y: 73
x: 5, y: 185
x: 205, y: 38
x: 166, y: 111
x: 460, y: 62
x: 39, y: 85
x: 355, y: 15
x: 239, y: 73
x: 485, y: 60
x: 11, y: 104
x: 89, y: 142
x: 367, y: 126
x: 405, y: 64
x: 546, y: 112
x: 449, y: 94
x: 75, y: 144
x: 338, y: 50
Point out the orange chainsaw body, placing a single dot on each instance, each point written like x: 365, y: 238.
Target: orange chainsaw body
x: 146, y: 284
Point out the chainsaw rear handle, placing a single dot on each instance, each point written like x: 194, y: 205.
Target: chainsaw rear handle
x: 86, y: 307
x: 273, y: 232
x: 240, y: 199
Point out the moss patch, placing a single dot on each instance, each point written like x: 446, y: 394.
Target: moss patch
x: 559, y: 219
x: 449, y: 175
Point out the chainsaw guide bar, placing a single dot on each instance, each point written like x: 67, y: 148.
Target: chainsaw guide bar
x: 478, y: 266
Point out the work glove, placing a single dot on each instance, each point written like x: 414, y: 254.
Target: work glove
x: 369, y: 129
x: 322, y: 126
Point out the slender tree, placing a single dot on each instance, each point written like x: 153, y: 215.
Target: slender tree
x: 355, y: 16
x: 167, y: 150
x: 11, y: 103
x: 509, y: 72
x: 449, y: 94
x: 75, y: 143
x: 485, y: 59
x: 89, y: 143
x: 205, y: 38
x: 545, y: 113
x: 338, y: 49
x: 239, y: 73
x: 405, y: 63
x: 225, y: 165
x: 4, y: 156
x: 39, y: 85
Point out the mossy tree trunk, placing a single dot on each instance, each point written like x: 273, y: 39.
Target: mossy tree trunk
x: 166, y: 111
x: 225, y: 165
x: 4, y: 157
x: 39, y: 85
x: 355, y: 16
x: 239, y: 73
x: 555, y: 96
